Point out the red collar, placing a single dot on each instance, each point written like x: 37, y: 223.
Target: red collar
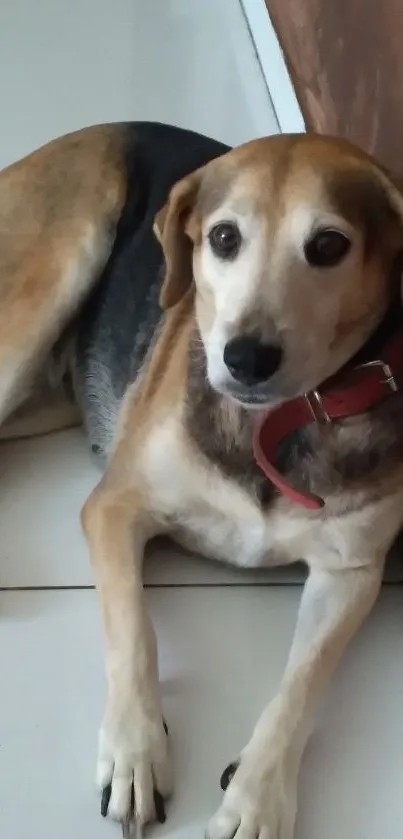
x: 353, y: 391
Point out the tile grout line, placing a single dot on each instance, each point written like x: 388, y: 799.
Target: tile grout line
x: 155, y: 585
x: 386, y: 583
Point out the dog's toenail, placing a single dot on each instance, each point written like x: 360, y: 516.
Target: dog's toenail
x: 228, y: 775
x: 106, y: 795
x: 159, y: 807
x: 126, y: 828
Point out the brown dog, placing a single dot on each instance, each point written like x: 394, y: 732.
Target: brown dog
x: 258, y: 420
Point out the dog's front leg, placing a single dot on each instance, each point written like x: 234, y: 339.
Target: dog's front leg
x: 260, y: 801
x: 133, y: 748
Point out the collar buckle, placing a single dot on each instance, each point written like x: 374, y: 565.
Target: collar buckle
x: 389, y: 378
x: 317, y: 408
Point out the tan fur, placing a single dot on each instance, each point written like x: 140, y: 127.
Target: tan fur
x: 169, y: 228
x: 182, y: 461
x: 52, y: 248
x: 45, y: 411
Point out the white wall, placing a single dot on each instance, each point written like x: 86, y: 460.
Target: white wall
x: 274, y: 68
x: 69, y: 63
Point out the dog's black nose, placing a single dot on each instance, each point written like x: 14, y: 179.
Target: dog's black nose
x: 251, y: 362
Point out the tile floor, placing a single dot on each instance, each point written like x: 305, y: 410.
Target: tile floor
x: 223, y: 636
x: 52, y: 689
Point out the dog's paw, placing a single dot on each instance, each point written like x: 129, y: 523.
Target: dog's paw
x: 259, y: 803
x: 134, y: 768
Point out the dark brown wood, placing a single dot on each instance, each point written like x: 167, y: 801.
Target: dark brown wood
x: 345, y: 58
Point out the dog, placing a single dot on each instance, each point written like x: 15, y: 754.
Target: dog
x: 228, y: 324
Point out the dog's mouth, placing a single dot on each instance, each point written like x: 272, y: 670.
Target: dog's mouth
x: 251, y: 400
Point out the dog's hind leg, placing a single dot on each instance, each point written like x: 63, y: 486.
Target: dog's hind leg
x: 47, y: 410
x: 59, y: 209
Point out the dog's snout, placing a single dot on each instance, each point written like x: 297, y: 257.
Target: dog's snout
x: 250, y: 361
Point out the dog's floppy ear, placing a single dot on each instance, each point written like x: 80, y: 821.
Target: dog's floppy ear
x: 393, y: 190
x: 393, y: 186
x: 372, y: 198
x: 171, y: 230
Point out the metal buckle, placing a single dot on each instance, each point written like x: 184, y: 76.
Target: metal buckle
x: 315, y: 400
x: 317, y: 407
x: 386, y: 370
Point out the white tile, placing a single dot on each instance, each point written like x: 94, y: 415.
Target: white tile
x: 43, y: 484
x: 66, y: 65
x: 222, y: 653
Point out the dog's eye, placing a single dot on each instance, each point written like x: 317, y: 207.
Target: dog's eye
x: 225, y: 240
x: 326, y: 248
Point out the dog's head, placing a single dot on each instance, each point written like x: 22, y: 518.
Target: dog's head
x: 291, y: 244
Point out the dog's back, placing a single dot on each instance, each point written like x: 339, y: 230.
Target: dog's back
x: 131, y: 167
x: 119, y: 319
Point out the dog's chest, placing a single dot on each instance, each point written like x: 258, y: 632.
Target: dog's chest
x: 213, y: 514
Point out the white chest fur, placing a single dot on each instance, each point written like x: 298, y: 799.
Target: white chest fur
x: 212, y: 514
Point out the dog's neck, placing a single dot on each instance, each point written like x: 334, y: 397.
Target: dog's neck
x: 358, y: 450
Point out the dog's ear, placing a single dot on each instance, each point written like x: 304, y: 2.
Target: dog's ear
x: 390, y: 214
x: 171, y: 227
x: 392, y: 185
x: 371, y: 198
